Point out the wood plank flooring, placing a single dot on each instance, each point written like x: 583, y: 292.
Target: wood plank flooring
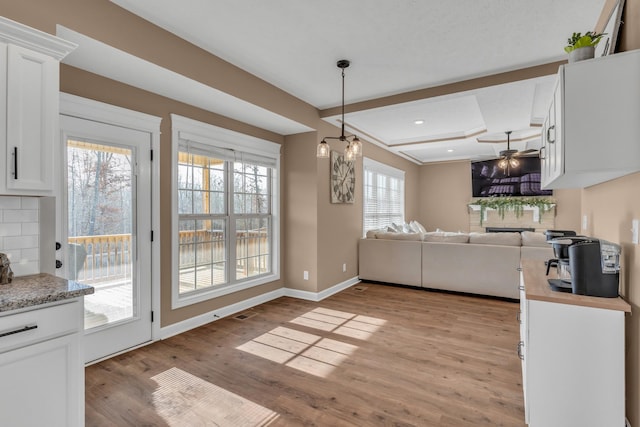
x: 372, y: 355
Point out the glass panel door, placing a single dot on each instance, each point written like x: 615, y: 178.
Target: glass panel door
x: 100, y: 200
x: 108, y: 231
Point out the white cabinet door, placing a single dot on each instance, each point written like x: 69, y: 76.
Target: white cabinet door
x: 575, y: 366
x: 32, y: 87
x: 551, y: 154
x: 595, y: 108
x: 40, y: 385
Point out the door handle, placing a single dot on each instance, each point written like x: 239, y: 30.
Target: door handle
x: 15, y: 162
x: 551, y: 141
x: 19, y: 330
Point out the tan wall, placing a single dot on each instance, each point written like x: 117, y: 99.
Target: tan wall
x: 300, y: 249
x: 445, y: 191
x: 340, y: 225
x: 610, y: 207
x: 568, y: 212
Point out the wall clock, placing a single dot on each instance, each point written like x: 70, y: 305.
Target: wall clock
x: 343, y: 179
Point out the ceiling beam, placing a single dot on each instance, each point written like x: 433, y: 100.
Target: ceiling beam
x: 447, y: 89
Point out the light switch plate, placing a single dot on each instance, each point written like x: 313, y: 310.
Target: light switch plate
x: 585, y: 222
x: 634, y: 231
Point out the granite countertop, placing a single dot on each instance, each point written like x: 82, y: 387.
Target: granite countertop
x: 27, y: 291
x: 537, y: 288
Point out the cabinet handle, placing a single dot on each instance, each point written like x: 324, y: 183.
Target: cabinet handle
x: 540, y: 155
x: 551, y: 141
x: 19, y: 330
x: 520, y: 354
x: 15, y: 162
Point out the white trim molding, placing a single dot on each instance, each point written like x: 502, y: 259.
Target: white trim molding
x: 211, y: 316
x: 319, y: 296
x: 215, y: 137
x: 535, y: 209
x: 21, y: 35
x: 76, y: 106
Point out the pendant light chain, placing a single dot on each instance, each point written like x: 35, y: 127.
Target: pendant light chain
x: 354, y: 145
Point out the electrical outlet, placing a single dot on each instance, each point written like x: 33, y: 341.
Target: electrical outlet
x: 305, y: 275
x: 344, y: 268
x: 585, y: 222
x: 634, y: 231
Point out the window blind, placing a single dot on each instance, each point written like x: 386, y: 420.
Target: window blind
x: 383, y: 195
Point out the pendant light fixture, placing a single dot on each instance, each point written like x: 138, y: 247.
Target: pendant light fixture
x: 354, y: 146
x: 508, y: 155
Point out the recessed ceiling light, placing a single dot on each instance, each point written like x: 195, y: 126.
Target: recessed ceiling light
x: 450, y: 150
x: 418, y: 122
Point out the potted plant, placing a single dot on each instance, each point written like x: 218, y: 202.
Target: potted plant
x: 581, y: 47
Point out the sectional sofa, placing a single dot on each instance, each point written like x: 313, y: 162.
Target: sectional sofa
x: 477, y: 263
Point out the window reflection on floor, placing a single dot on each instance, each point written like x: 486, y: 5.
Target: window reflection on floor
x: 309, y: 352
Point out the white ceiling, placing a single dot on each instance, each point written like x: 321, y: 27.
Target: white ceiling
x: 394, y: 47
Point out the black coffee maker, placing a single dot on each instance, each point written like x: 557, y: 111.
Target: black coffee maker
x: 595, y: 268
x: 560, y: 240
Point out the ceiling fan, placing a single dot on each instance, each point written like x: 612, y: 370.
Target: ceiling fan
x: 508, y: 158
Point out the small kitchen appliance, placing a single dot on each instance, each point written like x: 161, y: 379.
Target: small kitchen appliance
x: 561, y: 246
x: 595, y: 268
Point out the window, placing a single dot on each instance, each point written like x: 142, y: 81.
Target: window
x: 226, y: 222
x: 383, y: 195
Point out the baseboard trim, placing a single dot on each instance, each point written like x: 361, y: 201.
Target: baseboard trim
x: 203, y: 319
x: 319, y: 296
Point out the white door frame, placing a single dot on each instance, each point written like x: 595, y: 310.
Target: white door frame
x: 72, y: 105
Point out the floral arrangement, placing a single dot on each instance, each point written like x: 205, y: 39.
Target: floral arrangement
x: 515, y: 204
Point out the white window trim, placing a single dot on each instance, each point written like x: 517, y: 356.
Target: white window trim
x: 185, y: 128
x: 370, y: 164
x: 89, y: 109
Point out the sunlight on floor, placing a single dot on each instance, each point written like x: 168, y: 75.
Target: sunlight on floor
x: 309, y: 352
x: 182, y: 399
x: 340, y: 322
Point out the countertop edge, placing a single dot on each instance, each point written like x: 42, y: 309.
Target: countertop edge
x: 39, y: 289
x: 537, y: 288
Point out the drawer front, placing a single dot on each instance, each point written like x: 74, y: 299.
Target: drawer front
x: 25, y: 328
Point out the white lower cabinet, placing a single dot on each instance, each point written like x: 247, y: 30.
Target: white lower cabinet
x: 41, y: 368
x: 573, y: 364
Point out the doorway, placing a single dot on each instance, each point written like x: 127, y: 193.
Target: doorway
x: 106, y: 230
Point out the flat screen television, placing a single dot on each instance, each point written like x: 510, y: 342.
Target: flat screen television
x: 490, y: 180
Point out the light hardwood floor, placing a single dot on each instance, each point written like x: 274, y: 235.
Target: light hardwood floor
x: 372, y: 355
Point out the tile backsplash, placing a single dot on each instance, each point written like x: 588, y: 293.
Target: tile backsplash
x: 20, y: 233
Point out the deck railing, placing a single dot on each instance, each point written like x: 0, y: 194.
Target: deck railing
x: 109, y: 257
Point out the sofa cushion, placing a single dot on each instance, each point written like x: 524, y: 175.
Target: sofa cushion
x: 529, y: 238
x: 398, y: 236
x: 504, y: 239
x: 446, y: 237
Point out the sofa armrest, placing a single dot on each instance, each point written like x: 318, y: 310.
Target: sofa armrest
x: 391, y: 261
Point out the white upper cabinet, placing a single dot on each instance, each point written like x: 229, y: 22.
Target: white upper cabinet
x: 592, y: 131
x: 29, y: 91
